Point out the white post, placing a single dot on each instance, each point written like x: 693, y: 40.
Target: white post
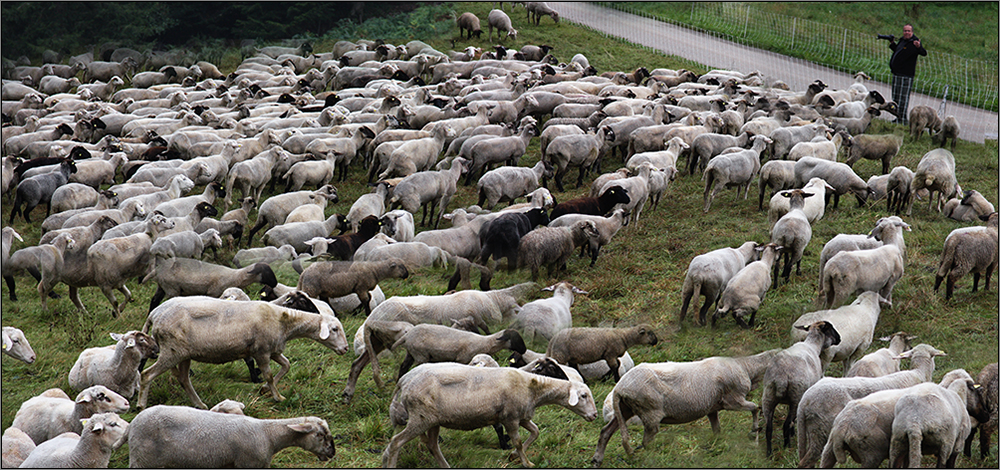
x: 843, y: 50
x: 793, y: 32
x: 746, y: 21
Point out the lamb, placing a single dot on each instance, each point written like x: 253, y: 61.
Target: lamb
x: 276, y: 208
x: 16, y: 447
x: 16, y: 345
x: 45, y: 260
x: 115, y: 366
x: 949, y: 130
x: 600, y: 205
x: 923, y: 117
x: 435, y: 395
x: 186, y: 277
x: 792, y: 371
x: 469, y: 22
x: 543, y: 318
x: 779, y: 175
x: 970, y: 249
x: 607, y: 227
x: 52, y: 413
x: 103, y: 433
x: 883, y: 361
x: 745, y: 291
x: 709, y: 273
x: 438, y: 343
x: 838, y: 175
x: 502, y: 236
x: 792, y: 232
x: 733, y: 169
x: 329, y: 279
x: 825, y: 149
x: 509, y: 183
x: 540, y: 9
x: 933, y: 419
x: 988, y: 396
x: 822, y: 402
x: 663, y: 393
x: 267, y: 255
x: 855, y: 323
x: 212, y: 330
x: 972, y: 205
x: 877, y: 269
x: 897, y: 189
x: 552, y: 246
x: 429, y: 189
x: 186, y: 244
x: 575, y: 346
x: 168, y: 436
x: 873, y: 147
x: 297, y: 233
x: 38, y: 189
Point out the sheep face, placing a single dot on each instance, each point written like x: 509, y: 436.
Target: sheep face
x: 646, y: 335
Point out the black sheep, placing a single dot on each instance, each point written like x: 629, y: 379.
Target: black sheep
x: 501, y: 236
x: 39, y: 188
x: 344, y: 246
x: 600, y: 205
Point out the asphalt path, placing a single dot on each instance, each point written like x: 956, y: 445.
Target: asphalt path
x: 976, y: 124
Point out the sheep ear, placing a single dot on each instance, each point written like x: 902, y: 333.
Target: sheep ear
x: 303, y: 427
x: 549, y: 289
x: 324, y: 330
x: 7, y: 342
x: 98, y: 427
x: 577, y: 290
x: 885, y: 338
x: 574, y: 396
x: 131, y: 343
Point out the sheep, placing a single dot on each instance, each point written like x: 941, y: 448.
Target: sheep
x: 344, y: 246
x: 709, y: 273
x: 186, y: 244
x: 73, y: 196
x: 838, y: 175
x: 16, y: 345
x: 418, y: 154
x: 969, y: 207
x: 784, y: 138
x: 988, y: 396
x: 267, y: 255
x: 183, y: 206
x: 229, y: 406
x: 949, y: 130
x: 469, y: 22
x: 607, y: 227
x: 414, y: 255
x: 435, y: 395
x: 499, y: 149
x: 38, y: 189
x: 733, y: 169
x: 638, y: 189
x: 252, y: 174
x: 16, y: 447
x: 883, y: 361
x: 793, y: 232
x: 877, y: 269
x: 540, y: 9
x: 186, y: 277
x: 970, y: 249
x: 170, y: 436
x: 509, y: 183
x: 792, y: 371
x: 855, y: 323
x: 368, y: 204
x: 296, y: 234
x: 745, y: 291
x: 499, y: 20
x: 825, y: 149
x: 501, y: 238
x: 552, y: 246
x: 822, y: 402
x: 575, y: 346
x: 9, y: 234
x: 99, y: 89
x: 779, y: 175
x: 709, y: 145
x: 276, y: 208
x: 932, y: 419
x: 923, y: 117
x: 100, y: 436
x: 429, y: 189
x: 600, y: 205
x: 666, y: 158
x: 681, y: 392
x: 582, y: 151
x: 438, y: 343
x: 897, y: 189
x: 203, y: 329
x: 862, y: 430
x: 45, y: 260
x: 328, y: 279
x: 543, y: 318
x: 116, y: 366
x: 873, y: 147
x: 52, y: 413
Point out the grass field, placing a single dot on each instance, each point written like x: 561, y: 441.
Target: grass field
x: 637, y: 279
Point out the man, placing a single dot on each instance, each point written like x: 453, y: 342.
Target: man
x: 903, y: 65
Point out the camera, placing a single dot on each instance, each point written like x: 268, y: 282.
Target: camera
x: 888, y: 37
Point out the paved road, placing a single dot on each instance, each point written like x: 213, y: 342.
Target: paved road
x: 713, y: 52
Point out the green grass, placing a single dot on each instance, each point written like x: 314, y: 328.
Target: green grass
x: 637, y: 279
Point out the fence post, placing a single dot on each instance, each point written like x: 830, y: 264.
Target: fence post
x: 746, y: 21
x: 843, y: 50
x: 793, y: 32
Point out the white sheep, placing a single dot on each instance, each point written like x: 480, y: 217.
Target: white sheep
x: 553, y: 246
x: 297, y: 233
x: 932, y: 419
x: 438, y: 343
x: 575, y: 346
x: 709, y: 273
x: 733, y: 169
x: 969, y: 249
x: 883, y: 361
x: 745, y: 291
x: 935, y: 173
x: 792, y: 232
x: 52, y: 413
x: 435, y: 395
x: 115, y: 366
x: 402, y: 220
x: 637, y: 188
x: 267, y: 254
x: 877, y: 269
x: 174, y: 436
x: 92, y: 448
x: 433, y: 189
x: 855, y: 323
x: 825, y: 149
x: 16, y: 447
x: 972, y: 205
x: 838, y: 175
x: 372, y: 203
x: 217, y: 331
x: 779, y: 175
x: 414, y: 254
x: 508, y: 183
x: 276, y: 208
x: 16, y: 345
x: 543, y: 318
x: 650, y: 392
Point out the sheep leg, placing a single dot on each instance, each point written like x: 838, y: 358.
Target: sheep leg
x: 975, y: 283
x: 254, y: 371
x: 74, y: 295
x: 787, y: 429
x: 391, y: 453
x: 430, y: 439
x: 110, y: 294
x: 515, y: 440
x: 356, y: 367
x: 157, y: 298
x: 989, y: 273
x: 502, y: 437
x: 183, y: 373
x: 405, y: 365
x: 602, y: 442
x: 613, y: 364
x: 533, y: 433
x: 283, y: 362
x: 10, y: 287
x: 265, y: 372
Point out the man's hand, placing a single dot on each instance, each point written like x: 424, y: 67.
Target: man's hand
x: 916, y: 43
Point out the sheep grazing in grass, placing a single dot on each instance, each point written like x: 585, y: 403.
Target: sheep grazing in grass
x: 16, y: 447
x: 897, y: 189
x: 822, y: 402
x: 115, y: 366
x: 429, y: 189
x: 579, y: 150
x: 92, y: 448
x: 792, y: 232
x: 52, y: 413
x: 438, y: 343
x: 217, y: 331
x: 949, y: 130
x: 553, y: 246
x: 276, y: 208
x: 540, y: 9
x: 332, y: 279
x: 709, y: 273
x: 508, y: 183
x: 876, y: 269
x: 777, y: 174
x: 825, y: 149
x: 500, y: 239
x: 873, y: 147
x: 600, y: 205
x: 987, y: 379
x: 38, y: 189
x: 791, y: 373
x: 745, y: 291
x: 575, y: 346
x: 47, y: 261
x: 733, y: 169
x: 543, y: 318
x: 855, y: 323
x: 607, y: 227
x: 884, y: 361
x: 923, y: 117
x: 838, y: 175
x: 177, y: 277
x: 969, y: 249
x: 499, y: 20
x: 972, y: 205
x: 814, y: 207
x: 16, y: 345
x: 653, y: 392
x: 458, y: 396
x: 469, y: 22
x: 171, y: 436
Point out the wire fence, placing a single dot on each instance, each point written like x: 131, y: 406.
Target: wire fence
x: 965, y: 88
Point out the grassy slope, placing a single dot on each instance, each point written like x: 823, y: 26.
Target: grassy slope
x: 638, y: 278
